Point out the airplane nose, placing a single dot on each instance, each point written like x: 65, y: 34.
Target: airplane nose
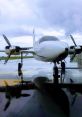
x: 52, y: 50
x: 59, y: 51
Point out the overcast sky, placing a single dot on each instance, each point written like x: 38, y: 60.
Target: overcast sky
x: 48, y: 17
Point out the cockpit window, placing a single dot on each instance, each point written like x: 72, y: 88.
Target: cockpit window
x: 48, y: 38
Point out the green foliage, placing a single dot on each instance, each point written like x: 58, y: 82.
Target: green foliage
x: 15, y: 57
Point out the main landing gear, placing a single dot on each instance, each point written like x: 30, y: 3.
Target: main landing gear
x: 56, y: 75
x: 62, y: 72
x: 20, y: 73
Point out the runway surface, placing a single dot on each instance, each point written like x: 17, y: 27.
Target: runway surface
x: 37, y: 105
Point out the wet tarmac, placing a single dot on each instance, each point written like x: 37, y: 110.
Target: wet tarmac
x: 38, y: 104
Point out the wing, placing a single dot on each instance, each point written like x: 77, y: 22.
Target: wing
x: 30, y: 51
x: 25, y: 48
x: 71, y: 68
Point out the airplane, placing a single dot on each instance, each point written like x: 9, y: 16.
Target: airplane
x: 47, y: 49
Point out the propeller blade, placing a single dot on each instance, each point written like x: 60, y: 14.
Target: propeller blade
x: 6, y: 39
x: 73, y: 40
x: 72, y: 58
x: 7, y: 58
x: 7, y: 105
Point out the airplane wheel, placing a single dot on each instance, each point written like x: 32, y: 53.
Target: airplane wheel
x: 19, y: 65
x: 19, y: 69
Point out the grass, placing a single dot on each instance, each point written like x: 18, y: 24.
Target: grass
x: 15, y: 57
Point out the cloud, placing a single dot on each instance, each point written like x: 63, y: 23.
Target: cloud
x: 15, y: 9
x: 19, y: 17
x: 65, y: 14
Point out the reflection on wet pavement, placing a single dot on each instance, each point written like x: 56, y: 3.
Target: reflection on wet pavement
x: 32, y: 68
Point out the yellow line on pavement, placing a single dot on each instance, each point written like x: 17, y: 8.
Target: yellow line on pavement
x: 9, y: 81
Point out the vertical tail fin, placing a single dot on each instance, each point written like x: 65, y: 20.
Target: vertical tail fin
x: 33, y: 37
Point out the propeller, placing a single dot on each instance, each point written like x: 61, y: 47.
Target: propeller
x: 72, y: 57
x: 73, y: 40
x: 13, y: 50
x: 17, y: 47
x: 77, y: 49
x: 6, y: 60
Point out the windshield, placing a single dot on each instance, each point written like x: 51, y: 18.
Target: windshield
x: 48, y: 38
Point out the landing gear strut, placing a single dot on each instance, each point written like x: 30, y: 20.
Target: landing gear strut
x: 62, y: 71
x: 63, y: 67
x: 55, y: 74
x: 20, y: 74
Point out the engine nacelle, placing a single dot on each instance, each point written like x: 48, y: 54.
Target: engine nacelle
x: 76, y: 50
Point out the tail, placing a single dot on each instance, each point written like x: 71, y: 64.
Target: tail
x: 33, y: 37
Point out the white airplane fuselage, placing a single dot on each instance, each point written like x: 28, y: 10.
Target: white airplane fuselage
x: 51, y: 50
